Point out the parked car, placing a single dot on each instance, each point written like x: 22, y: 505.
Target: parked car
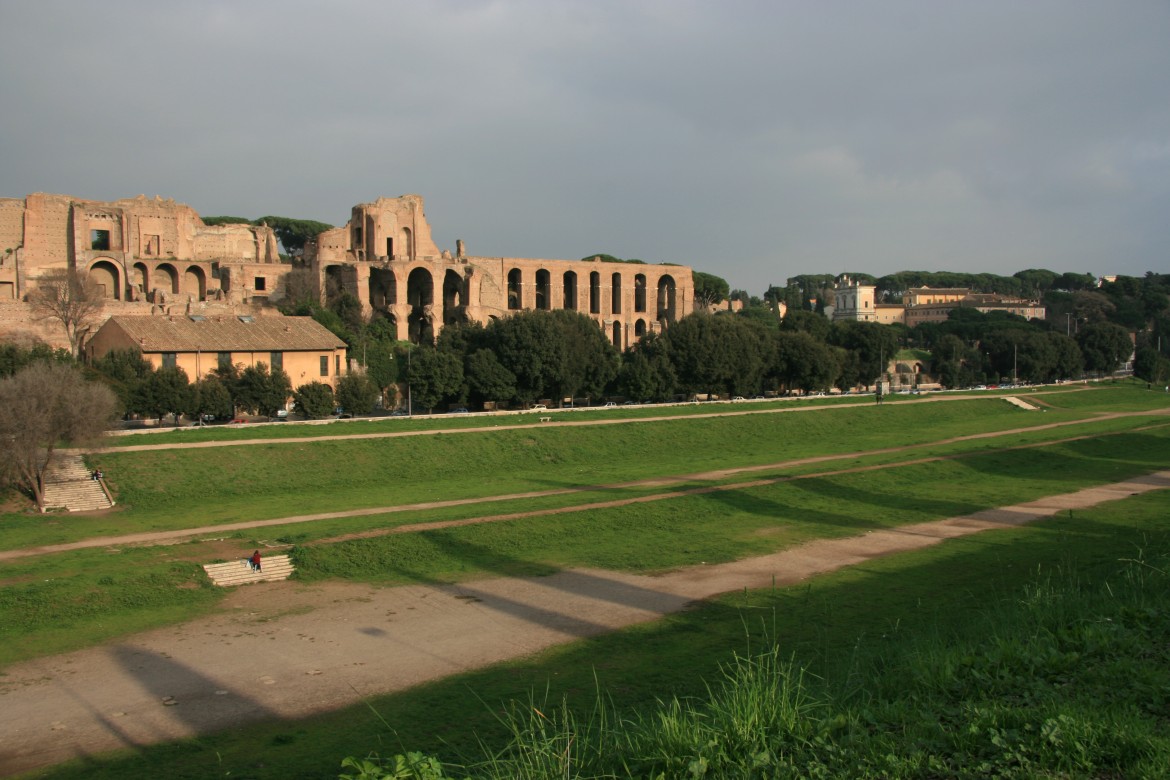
x: 539, y: 408
x: 608, y: 404
x: 459, y: 410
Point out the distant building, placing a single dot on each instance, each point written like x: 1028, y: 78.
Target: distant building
x: 925, y: 304
x: 856, y: 301
x: 300, y: 346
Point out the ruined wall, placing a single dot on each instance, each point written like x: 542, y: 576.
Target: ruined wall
x: 11, y: 226
x: 387, y: 258
x: 48, y: 233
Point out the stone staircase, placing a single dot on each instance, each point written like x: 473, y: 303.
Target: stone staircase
x: 239, y: 571
x: 68, y: 486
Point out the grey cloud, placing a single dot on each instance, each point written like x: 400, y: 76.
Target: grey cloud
x: 757, y: 140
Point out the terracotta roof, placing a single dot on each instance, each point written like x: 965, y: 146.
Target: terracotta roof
x: 227, y: 334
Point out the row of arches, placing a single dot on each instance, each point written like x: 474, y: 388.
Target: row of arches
x: 542, y: 294
x: 172, y: 279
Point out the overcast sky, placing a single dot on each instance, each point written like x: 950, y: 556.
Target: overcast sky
x: 753, y: 140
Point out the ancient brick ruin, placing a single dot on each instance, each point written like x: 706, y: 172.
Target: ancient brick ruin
x: 157, y: 256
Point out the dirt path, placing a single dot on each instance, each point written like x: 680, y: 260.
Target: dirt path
x: 286, y: 650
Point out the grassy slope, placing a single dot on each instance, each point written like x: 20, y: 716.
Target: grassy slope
x: 185, y: 488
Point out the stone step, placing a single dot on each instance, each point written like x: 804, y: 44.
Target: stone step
x: 239, y: 572
x: 69, y: 486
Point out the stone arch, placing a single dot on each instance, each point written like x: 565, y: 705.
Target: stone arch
x: 420, y: 294
x: 667, y: 299
x: 640, y: 292
x: 615, y: 293
x: 167, y: 277
x: 569, y: 282
x: 617, y: 334
x: 454, y: 298
x: 515, y: 289
x: 594, y: 292
x: 383, y: 288
x: 140, y: 277
x: 195, y: 282
x: 106, y: 274
x: 639, y: 328
x: 543, y: 289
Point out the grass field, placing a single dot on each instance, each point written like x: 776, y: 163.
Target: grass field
x: 67, y: 600
x: 903, y: 645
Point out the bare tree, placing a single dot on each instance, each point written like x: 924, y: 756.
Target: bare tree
x: 45, y: 406
x: 70, y: 297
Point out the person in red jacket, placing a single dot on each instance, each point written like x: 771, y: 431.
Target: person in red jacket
x: 255, y: 559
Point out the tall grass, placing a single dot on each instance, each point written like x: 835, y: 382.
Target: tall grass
x: 1068, y: 676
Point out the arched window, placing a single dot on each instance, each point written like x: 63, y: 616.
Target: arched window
x: 515, y: 293
x: 615, y: 294
x: 667, y: 310
x: 570, y: 283
x: 542, y: 289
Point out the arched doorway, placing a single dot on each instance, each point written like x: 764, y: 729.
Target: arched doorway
x: 640, y: 292
x: 594, y: 292
x: 195, y: 282
x: 639, y: 328
x: 617, y: 335
x: 140, y: 279
x: 383, y: 289
x: 166, y: 278
x: 543, y: 283
x: 615, y: 294
x: 106, y: 275
x: 454, y: 298
x: 420, y: 295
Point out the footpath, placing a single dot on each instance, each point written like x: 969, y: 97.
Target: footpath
x: 285, y: 650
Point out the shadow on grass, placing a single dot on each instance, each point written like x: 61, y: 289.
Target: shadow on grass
x: 838, y: 625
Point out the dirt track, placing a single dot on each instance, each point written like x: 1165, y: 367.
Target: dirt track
x: 285, y: 650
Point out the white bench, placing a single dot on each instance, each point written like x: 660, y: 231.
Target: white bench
x: 546, y: 419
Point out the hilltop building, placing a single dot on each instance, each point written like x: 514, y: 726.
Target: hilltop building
x: 136, y: 249
x: 855, y: 301
x: 385, y: 257
x: 157, y: 256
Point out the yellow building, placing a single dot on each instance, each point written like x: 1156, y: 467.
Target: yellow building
x: 300, y: 346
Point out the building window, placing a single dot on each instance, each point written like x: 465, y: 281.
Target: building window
x: 224, y: 360
x: 99, y: 240
x: 169, y: 360
x: 261, y: 284
x: 337, y: 365
x: 324, y: 365
x: 276, y: 361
